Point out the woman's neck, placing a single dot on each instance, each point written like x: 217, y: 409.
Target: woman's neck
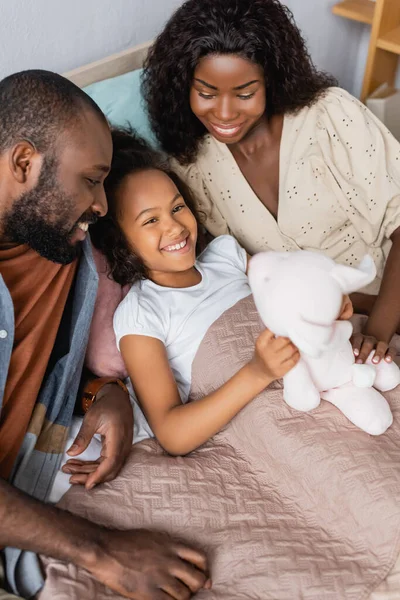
x: 181, y: 279
x: 265, y: 133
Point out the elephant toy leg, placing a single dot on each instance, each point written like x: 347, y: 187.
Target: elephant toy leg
x: 300, y: 392
x: 366, y: 408
x: 387, y: 375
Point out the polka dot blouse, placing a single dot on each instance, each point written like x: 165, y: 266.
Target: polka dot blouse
x: 339, y: 186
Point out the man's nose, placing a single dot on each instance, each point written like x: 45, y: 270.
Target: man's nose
x: 100, y: 205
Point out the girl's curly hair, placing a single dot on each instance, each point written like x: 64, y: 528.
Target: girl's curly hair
x: 131, y: 153
x: 262, y: 31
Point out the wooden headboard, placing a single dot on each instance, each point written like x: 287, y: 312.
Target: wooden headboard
x: 111, y: 66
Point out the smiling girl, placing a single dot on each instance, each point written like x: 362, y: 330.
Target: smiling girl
x: 151, y: 240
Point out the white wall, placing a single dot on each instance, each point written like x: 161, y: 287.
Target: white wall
x: 333, y: 42
x: 63, y: 34
x: 60, y: 35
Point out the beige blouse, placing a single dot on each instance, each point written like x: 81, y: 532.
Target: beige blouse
x: 339, y: 189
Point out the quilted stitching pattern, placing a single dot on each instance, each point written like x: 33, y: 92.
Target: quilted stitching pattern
x: 290, y: 506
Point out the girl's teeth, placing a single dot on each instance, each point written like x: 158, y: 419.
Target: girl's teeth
x: 176, y: 246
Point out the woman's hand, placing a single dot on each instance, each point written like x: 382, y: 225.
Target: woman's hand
x: 273, y: 356
x: 363, y: 344
x: 384, y: 315
x: 346, y: 312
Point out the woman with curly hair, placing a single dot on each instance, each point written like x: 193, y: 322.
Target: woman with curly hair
x: 277, y: 155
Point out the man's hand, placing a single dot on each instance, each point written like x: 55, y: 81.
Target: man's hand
x: 146, y: 565
x: 111, y: 416
x: 139, y: 564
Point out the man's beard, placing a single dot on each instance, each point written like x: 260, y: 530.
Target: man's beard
x: 41, y: 218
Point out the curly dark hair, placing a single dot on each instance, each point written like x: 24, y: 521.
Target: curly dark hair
x: 262, y: 31
x: 131, y: 153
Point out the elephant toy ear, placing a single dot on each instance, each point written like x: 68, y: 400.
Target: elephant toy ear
x: 352, y: 279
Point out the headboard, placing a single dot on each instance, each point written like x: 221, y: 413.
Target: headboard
x: 111, y: 66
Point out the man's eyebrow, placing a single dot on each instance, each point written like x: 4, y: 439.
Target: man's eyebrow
x: 238, y: 87
x: 104, y: 168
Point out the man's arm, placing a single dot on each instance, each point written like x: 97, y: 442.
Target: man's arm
x: 137, y: 564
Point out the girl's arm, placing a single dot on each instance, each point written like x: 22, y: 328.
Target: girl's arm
x: 248, y: 262
x: 384, y: 316
x: 180, y: 428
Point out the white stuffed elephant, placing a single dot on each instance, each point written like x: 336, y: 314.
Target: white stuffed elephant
x: 299, y: 295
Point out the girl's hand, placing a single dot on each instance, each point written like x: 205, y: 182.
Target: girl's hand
x: 273, y: 356
x: 346, y: 312
x: 364, y: 344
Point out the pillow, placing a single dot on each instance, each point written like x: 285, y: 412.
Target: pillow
x: 102, y: 355
x: 121, y: 101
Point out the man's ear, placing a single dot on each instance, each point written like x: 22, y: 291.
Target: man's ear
x: 25, y: 161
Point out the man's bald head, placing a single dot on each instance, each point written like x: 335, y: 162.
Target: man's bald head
x: 38, y: 106
x: 55, y: 152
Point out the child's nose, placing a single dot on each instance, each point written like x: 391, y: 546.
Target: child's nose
x: 175, y: 227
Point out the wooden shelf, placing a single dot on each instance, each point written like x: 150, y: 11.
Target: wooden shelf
x: 384, y: 43
x: 390, y: 41
x: 357, y: 10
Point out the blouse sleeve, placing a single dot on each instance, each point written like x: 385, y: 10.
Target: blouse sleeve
x: 364, y: 158
x: 209, y: 213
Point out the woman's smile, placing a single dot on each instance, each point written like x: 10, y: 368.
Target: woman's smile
x: 226, y: 131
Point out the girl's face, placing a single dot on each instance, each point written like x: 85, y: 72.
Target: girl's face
x: 228, y: 96
x: 158, y: 225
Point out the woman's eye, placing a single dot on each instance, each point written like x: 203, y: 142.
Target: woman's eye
x: 206, y: 96
x: 245, y: 96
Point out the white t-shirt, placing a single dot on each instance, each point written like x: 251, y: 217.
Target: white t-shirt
x: 180, y: 317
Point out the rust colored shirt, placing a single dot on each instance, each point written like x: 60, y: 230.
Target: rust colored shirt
x: 39, y: 290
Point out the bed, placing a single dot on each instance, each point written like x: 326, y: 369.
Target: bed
x: 111, y: 66
x: 305, y: 555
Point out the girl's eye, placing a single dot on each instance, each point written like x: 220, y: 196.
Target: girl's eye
x: 178, y: 208
x: 150, y: 221
x: 206, y: 96
x: 245, y: 96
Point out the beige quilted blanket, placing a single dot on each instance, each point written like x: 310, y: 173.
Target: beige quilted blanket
x: 289, y: 506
